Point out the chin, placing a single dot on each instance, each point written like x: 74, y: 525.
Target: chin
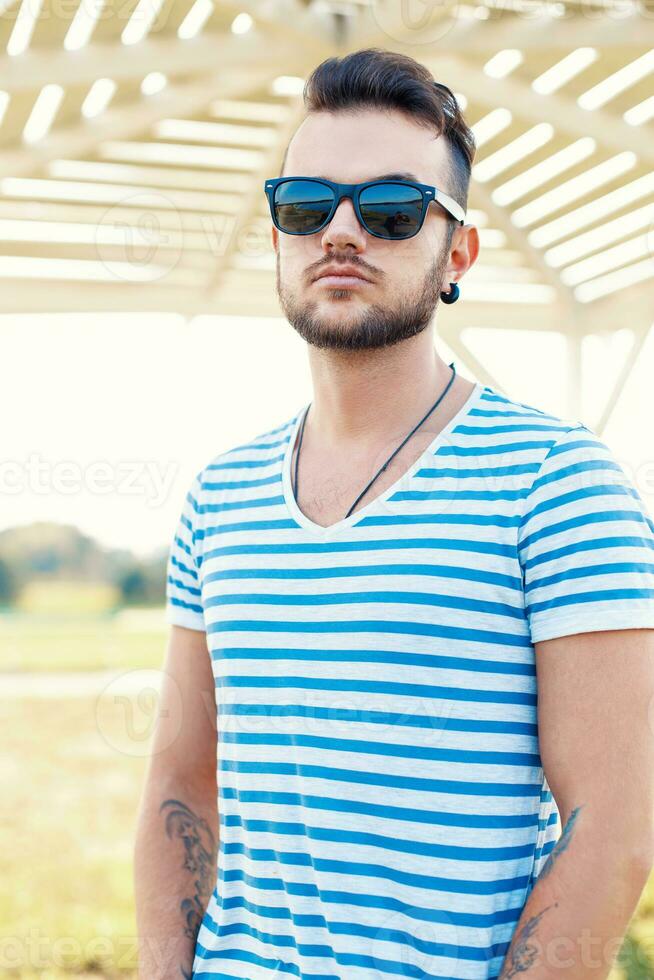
x: 341, y: 310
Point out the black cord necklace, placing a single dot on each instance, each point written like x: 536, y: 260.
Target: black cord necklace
x: 436, y: 403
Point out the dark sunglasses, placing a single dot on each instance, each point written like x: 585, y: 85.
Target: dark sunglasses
x: 391, y: 209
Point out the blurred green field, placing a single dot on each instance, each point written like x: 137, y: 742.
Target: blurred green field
x: 71, y: 786
x: 72, y: 770
x: 70, y: 802
x: 69, y: 641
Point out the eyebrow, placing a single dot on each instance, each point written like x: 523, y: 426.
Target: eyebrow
x: 399, y: 175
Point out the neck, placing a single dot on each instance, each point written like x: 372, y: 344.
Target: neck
x: 363, y: 397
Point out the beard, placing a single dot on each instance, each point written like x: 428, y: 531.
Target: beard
x: 377, y: 326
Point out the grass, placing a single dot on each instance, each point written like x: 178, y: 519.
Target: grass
x: 66, y: 895
x: 70, y: 641
x: 67, y: 596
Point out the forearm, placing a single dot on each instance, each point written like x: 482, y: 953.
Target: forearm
x: 174, y: 874
x: 574, y: 922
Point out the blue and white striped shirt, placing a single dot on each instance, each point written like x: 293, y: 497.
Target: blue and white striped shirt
x: 382, y: 802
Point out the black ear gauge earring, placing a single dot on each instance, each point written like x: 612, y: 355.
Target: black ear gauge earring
x: 453, y: 294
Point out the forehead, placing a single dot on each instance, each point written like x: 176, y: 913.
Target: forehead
x: 357, y: 146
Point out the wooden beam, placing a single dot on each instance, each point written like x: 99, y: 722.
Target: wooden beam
x: 641, y: 334
x: 125, y: 121
x: 454, y: 339
x: 501, y: 218
x: 516, y: 95
x: 251, y: 203
x: 623, y: 307
x: 530, y: 30
x: 56, y: 295
x: 271, y: 38
x: 573, y: 375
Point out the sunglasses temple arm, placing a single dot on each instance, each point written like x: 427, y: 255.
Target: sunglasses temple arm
x: 451, y: 206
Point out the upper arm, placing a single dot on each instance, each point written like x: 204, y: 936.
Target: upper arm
x: 184, y: 744
x: 183, y: 575
x: 586, y: 548
x: 596, y: 725
x: 585, y: 543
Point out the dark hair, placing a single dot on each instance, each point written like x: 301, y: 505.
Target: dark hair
x: 377, y: 78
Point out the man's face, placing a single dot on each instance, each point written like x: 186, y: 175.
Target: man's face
x: 405, y: 277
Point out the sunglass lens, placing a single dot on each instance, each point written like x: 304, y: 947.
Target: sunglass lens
x: 391, y: 210
x: 301, y: 206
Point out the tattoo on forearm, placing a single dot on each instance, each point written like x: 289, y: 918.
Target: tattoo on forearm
x: 562, y: 843
x: 522, y: 953
x: 199, y: 859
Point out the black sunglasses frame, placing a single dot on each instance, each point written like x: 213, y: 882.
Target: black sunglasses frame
x: 429, y: 194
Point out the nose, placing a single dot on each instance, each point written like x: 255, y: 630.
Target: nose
x: 344, y: 228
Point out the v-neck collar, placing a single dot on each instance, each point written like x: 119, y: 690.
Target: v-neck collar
x: 325, y: 533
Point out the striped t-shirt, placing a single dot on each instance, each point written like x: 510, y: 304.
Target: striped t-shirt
x: 383, y: 809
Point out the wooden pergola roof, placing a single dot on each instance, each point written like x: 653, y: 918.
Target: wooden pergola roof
x: 136, y: 136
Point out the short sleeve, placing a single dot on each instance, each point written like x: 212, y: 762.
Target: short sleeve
x: 585, y: 543
x: 183, y: 594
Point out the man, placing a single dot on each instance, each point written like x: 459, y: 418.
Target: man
x: 426, y: 611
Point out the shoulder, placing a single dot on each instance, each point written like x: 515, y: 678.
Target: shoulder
x: 241, y: 462
x: 574, y: 476
x: 497, y: 406
x: 547, y: 456
x: 529, y: 427
x: 519, y: 434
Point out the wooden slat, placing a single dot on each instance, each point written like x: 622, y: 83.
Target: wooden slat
x: 222, y: 182
x: 17, y: 114
x: 7, y: 21
x: 200, y: 222
x: 170, y: 16
x: 71, y: 106
x: 115, y: 17
x: 53, y: 23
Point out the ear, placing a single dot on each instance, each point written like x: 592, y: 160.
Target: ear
x: 275, y: 237
x: 465, y: 249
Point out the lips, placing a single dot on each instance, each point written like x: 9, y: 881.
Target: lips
x: 341, y: 275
